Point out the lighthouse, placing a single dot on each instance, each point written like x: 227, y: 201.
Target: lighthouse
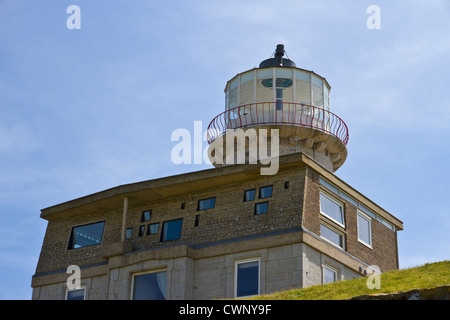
x: 278, y: 97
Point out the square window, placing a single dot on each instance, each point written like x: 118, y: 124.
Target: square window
x: 77, y: 294
x: 331, y: 208
x: 265, y: 192
x: 146, y: 215
x: 87, y: 235
x: 129, y: 233
x: 206, y: 204
x: 249, y: 195
x: 171, y: 230
x: 153, y: 228
x: 150, y: 286
x: 332, y: 236
x: 247, y: 278
x: 261, y: 208
x: 329, y: 275
x: 364, y: 229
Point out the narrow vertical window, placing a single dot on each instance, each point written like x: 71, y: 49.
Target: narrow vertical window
x: 129, y: 233
x: 146, y: 215
x: 247, y: 278
x: 364, y: 229
x: 141, y: 231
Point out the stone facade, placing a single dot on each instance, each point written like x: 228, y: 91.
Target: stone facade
x: 286, y: 241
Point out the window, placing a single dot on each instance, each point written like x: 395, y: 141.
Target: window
x: 364, y: 229
x: 247, y: 278
x: 153, y: 228
x: 87, y: 235
x: 149, y: 286
x: 329, y: 274
x: 249, y: 195
x: 331, y: 208
x: 129, y: 233
x: 77, y: 294
x: 171, y: 230
x: 332, y: 235
x: 265, y: 192
x: 197, y: 220
x: 206, y: 204
x: 146, y: 215
x: 261, y: 208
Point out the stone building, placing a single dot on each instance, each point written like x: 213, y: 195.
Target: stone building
x: 229, y: 231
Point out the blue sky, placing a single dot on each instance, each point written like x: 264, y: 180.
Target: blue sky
x: 89, y: 109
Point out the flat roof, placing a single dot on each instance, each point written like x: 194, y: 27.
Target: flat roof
x: 141, y: 193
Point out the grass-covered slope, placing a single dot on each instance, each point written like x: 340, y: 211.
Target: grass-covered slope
x: 430, y: 275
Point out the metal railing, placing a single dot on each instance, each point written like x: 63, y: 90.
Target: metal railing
x: 278, y: 113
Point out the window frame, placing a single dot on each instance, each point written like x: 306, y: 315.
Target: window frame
x: 242, y: 261
x: 271, y: 192
x: 332, y: 269
x: 338, y: 203
x: 161, y: 239
x: 369, y: 220
x: 335, y: 230
x: 198, y: 204
x: 133, y: 280
x: 148, y: 233
x: 245, y: 195
x: 71, y: 245
x: 143, y: 218
x: 261, y: 203
x: 69, y: 290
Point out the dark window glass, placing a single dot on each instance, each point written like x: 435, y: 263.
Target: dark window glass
x: 146, y: 215
x: 87, y: 235
x: 171, y: 230
x: 77, y: 294
x: 247, y: 279
x: 265, y: 192
x: 153, y: 228
x: 197, y: 220
x: 150, y: 286
x: 261, y: 208
x: 129, y: 233
x: 206, y: 204
x: 249, y: 195
x: 141, y: 231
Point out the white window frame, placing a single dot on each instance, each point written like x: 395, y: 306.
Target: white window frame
x: 331, y: 198
x: 334, y: 270
x: 334, y: 230
x: 238, y: 262
x: 369, y: 219
x: 81, y: 288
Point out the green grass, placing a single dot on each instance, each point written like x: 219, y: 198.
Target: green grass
x: 429, y: 275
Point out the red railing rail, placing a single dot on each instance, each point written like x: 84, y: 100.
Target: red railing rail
x: 278, y: 113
